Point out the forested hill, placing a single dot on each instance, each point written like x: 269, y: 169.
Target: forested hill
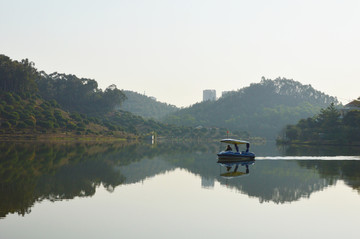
x: 37, y: 104
x: 262, y: 109
x: 146, y: 106
x: 33, y: 102
x: 79, y: 94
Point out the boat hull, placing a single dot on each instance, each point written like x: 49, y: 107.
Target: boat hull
x: 225, y: 157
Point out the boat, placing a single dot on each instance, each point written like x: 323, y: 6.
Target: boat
x: 229, y: 155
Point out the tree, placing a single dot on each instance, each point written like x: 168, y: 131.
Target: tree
x: 113, y: 97
x: 292, y: 132
x: 329, y: 117
x: 352, y: 119
x: 17, y: 76
x: 79, y: 94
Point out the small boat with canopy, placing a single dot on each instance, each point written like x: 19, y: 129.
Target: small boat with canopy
x: 230, y: 155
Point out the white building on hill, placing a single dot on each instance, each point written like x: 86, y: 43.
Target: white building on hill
x: 353, y: 105
x: 209, y: 95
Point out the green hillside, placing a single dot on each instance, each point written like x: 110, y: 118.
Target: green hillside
x: 146, y: 106
x: 262, y: 109
x: 79, y: 94
x: 33, y: 103
x: 31, y: 115
x: 37, y: 104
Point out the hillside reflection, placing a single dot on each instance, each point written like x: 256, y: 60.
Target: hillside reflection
x: 31, y: 172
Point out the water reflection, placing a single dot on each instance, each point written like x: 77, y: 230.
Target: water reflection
x: 33, y: 172
x: 30, y: 173
x: 319, y: 150
x: 278, y: 181
x: 232, y: 167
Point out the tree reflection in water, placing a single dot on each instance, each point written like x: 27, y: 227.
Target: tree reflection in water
x: 31, y: 172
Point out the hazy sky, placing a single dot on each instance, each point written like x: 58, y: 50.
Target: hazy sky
x: 173, y: 50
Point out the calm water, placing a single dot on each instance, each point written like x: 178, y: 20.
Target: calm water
x: 176, y: 191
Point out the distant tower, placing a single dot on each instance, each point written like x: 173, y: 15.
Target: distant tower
x: 209, y: 95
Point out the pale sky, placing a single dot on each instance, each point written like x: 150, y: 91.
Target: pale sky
x: 174, y: 49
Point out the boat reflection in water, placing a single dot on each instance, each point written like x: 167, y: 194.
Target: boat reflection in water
x: 235, y: 164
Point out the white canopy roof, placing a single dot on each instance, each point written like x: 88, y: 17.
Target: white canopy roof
x: 234, y: 141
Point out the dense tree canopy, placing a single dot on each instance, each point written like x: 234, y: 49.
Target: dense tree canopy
x: 261, y: 109
x: 327, y: 126
x: 79, y: 94
x: 34, y: 102
x: 17, y: 76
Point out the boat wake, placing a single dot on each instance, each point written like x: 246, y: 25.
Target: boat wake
x: 308, y: 158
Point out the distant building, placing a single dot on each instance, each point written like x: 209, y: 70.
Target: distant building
x: 152, y: 97
x: 209, y: 95
x: 353, y: 105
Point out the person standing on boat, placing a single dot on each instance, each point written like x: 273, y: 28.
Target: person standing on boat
x: 228, y: 148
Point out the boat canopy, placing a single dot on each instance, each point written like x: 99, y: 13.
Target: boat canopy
x: 234, y: 141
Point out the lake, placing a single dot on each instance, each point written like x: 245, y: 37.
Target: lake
x: 177, y: 190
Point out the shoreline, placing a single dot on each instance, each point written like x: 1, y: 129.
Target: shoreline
x: 66, y: 138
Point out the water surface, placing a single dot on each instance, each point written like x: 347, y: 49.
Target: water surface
x: 176, y: 191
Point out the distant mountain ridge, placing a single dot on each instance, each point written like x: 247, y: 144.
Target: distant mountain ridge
x: 262, y: 109
x: 289, y: 87
x: 146, y: 106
